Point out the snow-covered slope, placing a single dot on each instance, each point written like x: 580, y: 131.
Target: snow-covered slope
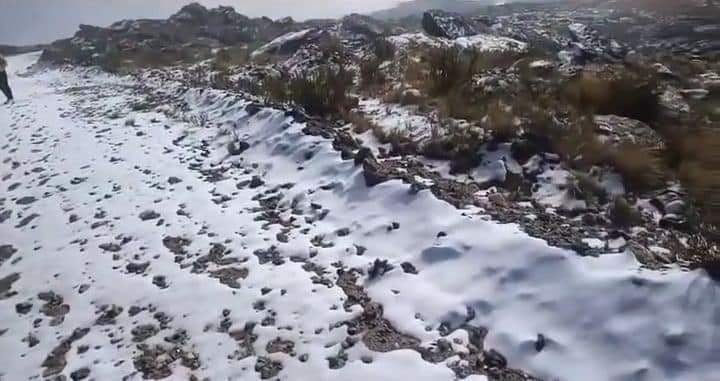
x: 164, y: 254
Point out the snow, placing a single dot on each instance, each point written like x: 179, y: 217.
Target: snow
x: 490, y: 43
x: 594, y: 243
x: 390, y: 117
x: 480, y: 42
x: 553, y: 189
x: 495, y: 165
x: 541, y: 64
x: 282, y: 40
x: 604, y: 318
x: 409, y: 40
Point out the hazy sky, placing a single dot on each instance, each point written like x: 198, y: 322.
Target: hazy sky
x: 35, y: 21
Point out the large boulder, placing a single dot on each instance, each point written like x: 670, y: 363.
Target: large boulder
x: 617, y: 130
x: 290, y: 43
x: 587, y: 44
x: 439, y: 23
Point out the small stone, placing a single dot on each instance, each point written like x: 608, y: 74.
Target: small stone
x: 80, y: 374
x: 149, y: 215
x: 408, y: 268
x: 160, y: 281
x: 23, y: 308
x: 256, y: 182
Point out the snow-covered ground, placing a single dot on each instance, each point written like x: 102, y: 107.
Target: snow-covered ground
x: 258, y: 238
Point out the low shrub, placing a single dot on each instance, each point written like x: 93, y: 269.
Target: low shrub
x: 370, y: 74
x: 458, y: 144
x: 322, y: 92
x: 383, y: 49
x: 449, y: 68
x: 641, y: 167
x: 501, y: 121
x: 699, y: 171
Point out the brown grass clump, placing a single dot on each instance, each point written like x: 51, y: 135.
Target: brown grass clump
x: 415, y: 72
x: 629, y: 96
x: 501, y: 121
x: 275, y: 89
x: 460, y: 145
x: 370, y: 74
x: 228, y: 57
x: 399, y: 138
x: 699, y: 170
x: 322, y: 92
x: 360, y: 123
x: 449, y: 68
x: 641, y: 168
x: 383, y: 49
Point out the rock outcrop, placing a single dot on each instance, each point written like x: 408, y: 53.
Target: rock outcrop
x: 448, y: 25
x: 190, y: 34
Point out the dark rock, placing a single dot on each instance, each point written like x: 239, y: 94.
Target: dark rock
x: 363, y: 154
x: 256, y: 182
x: 108, y: 316
x: 111, y: 247
x: 408, y: 268
x: 439, y: 23
x: 137, y: 268
x: 379, y: 268
x: 160, y: 281
x: 26, y: 200
x: 267, y: 368
x: 373, y: 172
x: 80, y: 374
x: 237, y: 148
x: 149, y: 215
x: 253, y: 108
x: 176, y: 245
x: 23, y: 308
x: 494, y: 359
x: 6, y: 251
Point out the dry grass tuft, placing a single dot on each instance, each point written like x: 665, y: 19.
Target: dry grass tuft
x: 458, y: 144
x: 370, y: 74
x: 642, y: 168
x: 322, y: 92
x: 629, y: 96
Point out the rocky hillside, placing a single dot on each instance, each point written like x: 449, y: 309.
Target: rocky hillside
x: 586, y: 116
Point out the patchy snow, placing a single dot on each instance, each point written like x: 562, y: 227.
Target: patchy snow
x: 392, y: 117
x: 412, y: 40
x: 601, y: 318
x: 495, y: 165
x: 490, y: 43
x: 594, y: 243
x: 553, y: 187
x: 282, y: 40
x: 480, y: 42
x: 541, y: 64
